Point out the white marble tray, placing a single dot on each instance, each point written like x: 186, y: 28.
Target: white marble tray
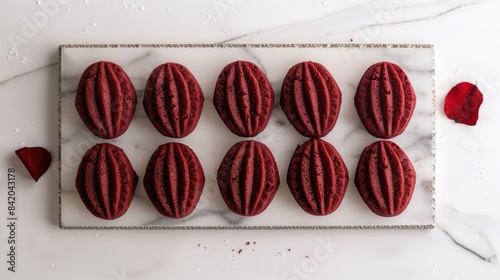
x: 211, y: 139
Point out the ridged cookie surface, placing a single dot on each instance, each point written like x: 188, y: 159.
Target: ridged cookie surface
x: 106, y: 181
x: 173, y: 100
x: 317, y: 177
x: 105, y: 99
x: 385, y: 100
x: 243, y: 98
x: 310, y: 99
x: 385, y: 178
x: 248, y: 178
x: 174, y: 180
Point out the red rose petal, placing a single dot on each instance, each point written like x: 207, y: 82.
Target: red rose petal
x: 36, y: 159
x: 462, y: 103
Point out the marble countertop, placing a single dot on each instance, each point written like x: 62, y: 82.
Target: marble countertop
x: 463, y: 244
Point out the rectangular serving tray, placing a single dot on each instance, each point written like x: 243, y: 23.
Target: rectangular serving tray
x: 211, y: 139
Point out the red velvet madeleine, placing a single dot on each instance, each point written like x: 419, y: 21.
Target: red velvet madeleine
x: 243, y: 98
x: 317, y: 177
x: 385, y: 178
x: 248, y: 178
x: 174, y: 180
x: 310, y: 99
x: 385, y: 100
x: 173, y: 100
x: 106, y: 181
x: 105, y: 99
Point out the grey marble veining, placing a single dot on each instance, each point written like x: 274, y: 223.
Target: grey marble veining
x: 211, y: 139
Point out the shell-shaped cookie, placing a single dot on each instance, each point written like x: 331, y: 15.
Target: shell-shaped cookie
x: 243, y: 98
x: 310, y: 99
x: 105, y: 99
x: 248, y: 178
x: 174, y: 180
x: 173, y: 100
x: 317, y: 177
x: 385, y: 178
x: 385, y: 100
x: 106, y: 181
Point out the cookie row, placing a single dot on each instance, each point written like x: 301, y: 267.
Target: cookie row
x: 243, y: 97
x: 174, y: 179
x: 318, y: 177
x: 311, y: 99
x: 248, y: 179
